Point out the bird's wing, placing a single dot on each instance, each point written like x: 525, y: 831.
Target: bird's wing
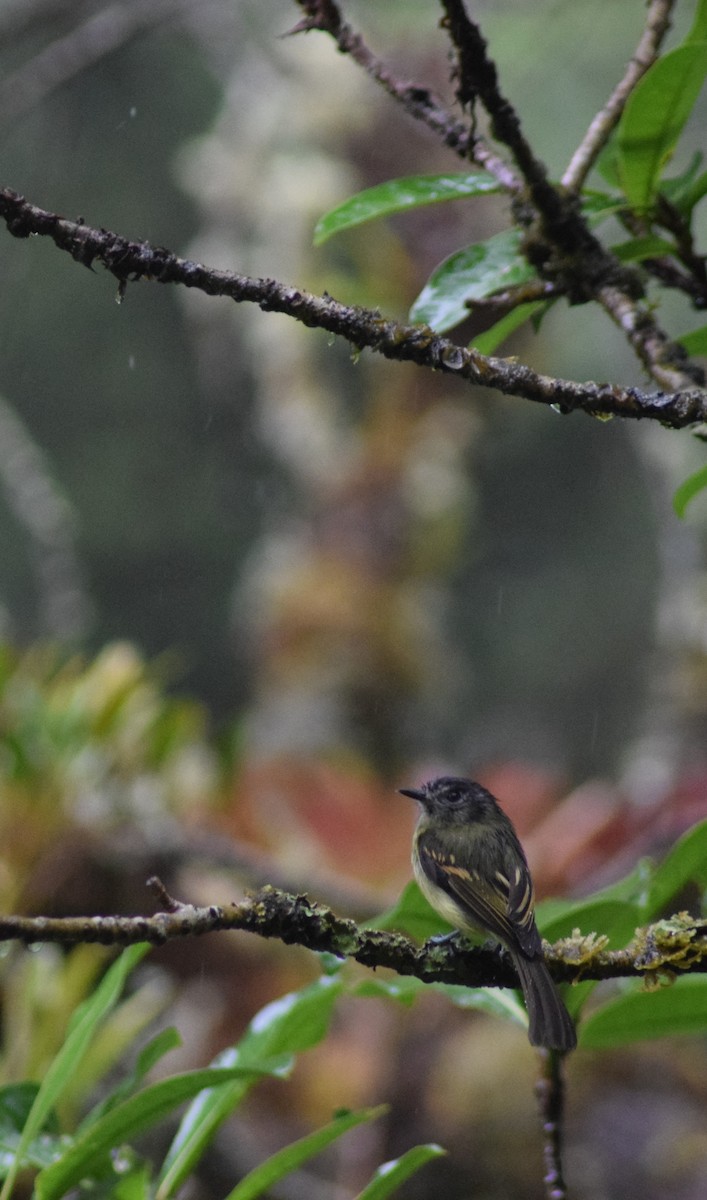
x: 500, y: 904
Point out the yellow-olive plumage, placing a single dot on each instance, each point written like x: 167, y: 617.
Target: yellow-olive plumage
x: 471, y: 867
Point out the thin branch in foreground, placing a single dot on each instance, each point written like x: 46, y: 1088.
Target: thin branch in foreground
x: 362, y: 328
x: 600, y: 130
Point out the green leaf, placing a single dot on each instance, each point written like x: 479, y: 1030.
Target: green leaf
x: 390, y: 1175
x: 638, y: 1014
x: 413, y: 915
x: 684, y: 190
x: 597, y: 206
x: 133, y: 1186
x: 399, y: 195
x: 156, y: 1048
x: 90, y: 1151
x: 654, y: 117
x: 617, y: 919
x: 492, y: 338
x: 636, y: 249
x: 81, y: 1030
x: 633, y: 887
x: 499, y: 1002
x: 403, y: 988
x: 698, y: 33
x: 262, y: 1178
x: 687, y: 491
x: 287, y: 1026
x: 686, y: 863
x: 16, y: 1100
x: 471, y: 274
x: 694, y: 342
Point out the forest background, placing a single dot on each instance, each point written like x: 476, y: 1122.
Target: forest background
x: 359, y: 574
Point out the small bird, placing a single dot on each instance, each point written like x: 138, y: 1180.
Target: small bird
x: 469, y: 864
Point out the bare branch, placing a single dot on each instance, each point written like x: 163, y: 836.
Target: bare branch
x: 596, y: 137
x: 365, y: 328
x: 550, y: 1093
x: 562, y: 248
x: 478, y: 78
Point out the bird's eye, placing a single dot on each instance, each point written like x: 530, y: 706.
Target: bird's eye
x: 454, y: 797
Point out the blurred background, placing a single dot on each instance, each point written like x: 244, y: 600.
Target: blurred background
x: 251, y: 582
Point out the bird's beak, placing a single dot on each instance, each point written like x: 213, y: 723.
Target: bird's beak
x: 414, y: 794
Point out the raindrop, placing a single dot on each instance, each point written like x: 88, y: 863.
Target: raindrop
x: 122, y: 1162
x: 131, y: 362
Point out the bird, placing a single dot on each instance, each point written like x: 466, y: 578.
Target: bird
x: 471, y: 867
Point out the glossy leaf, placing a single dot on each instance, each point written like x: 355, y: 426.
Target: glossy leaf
x: 637, y: 249
x: 400, y: 195
x: 654, y: 118
x: 679, y: 1008
x: 688, y: 489
x: 91, y: 1150
x: 391, y: 1175
x: 81, y: 1030
x: 287, y: 1026
x: 263, y: 1177
x: 686, y: 863
x: 470, y: 274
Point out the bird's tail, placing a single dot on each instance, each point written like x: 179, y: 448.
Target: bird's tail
x: 549, y: 1023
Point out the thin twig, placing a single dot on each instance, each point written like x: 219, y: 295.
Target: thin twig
x: 562, y: 248
x: 477, y: 78
x: 550, y: 1092
x: 362, y: 328
x: 418, y: 101
x: 598, y: 133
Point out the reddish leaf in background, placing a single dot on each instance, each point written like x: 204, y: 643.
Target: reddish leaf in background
x: 318, y: 814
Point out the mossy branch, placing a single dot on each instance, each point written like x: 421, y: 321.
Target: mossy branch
x: 666, y: 948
